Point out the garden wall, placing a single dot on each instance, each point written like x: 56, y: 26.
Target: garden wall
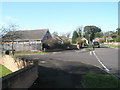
x: 14, y: 63
x: 22, y: 78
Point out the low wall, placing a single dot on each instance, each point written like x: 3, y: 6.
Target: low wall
x: 22, y: 78
x: 14, y: 63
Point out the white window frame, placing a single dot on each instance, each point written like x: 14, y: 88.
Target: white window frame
x: 32, y: 41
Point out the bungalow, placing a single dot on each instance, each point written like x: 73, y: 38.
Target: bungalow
x: 29, y: 40
x: 100, y: 40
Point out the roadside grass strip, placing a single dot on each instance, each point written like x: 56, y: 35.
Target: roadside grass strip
x: 93, y: 80
x: 4, y: 71
x: 113, y: 46
x: 89, y: 47
x: 29, y: 53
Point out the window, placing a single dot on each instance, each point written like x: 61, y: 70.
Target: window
x: 20, y: 42
x: 32, y: 41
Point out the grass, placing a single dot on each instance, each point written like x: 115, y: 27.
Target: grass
x: 4, y: 71
x: 108, y: 45
x: 113, y: 46
x: 93, y: 80
x: 29, y: 53
x: 89, y: 47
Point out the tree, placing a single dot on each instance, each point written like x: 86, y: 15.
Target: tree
x: 54, y: 34
x: 11, y: 35
x: 74, y: 37
x: 91, y: 30
x: 98, y: 35
x: 118, y: 31
x: 3, y: 31
x: 79, y: 32
x: 68, y: 35
x: 118, y: 34
x: 86, y: 35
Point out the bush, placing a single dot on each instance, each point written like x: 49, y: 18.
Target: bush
x: 111, y: 40
x: 118, y: 39
x: 79, y: 41
x: 45, y: 45
x: 55, y: 44
x: 52, y: 43
x: 65, y: 44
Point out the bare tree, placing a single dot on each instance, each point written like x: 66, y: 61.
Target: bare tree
x: 3, y: 31
x: 10, y: 35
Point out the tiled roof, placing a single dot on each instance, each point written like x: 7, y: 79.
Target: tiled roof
x: 31, y: 34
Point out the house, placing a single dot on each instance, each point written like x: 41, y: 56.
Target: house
x: 109, y: 39
x: 85, y: 40
x: 100, y: 40
x: 28, y: 40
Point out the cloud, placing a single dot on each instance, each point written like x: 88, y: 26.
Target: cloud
x: 2, y: 23
x: 10, y: 18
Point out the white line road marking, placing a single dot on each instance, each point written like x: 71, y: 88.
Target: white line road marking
x: 90, y: 52
x: 42, y: 61
x: 101, y: 62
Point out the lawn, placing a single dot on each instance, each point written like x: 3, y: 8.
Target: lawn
x: 30, y: 53
x: 93, y: 80
x: 4, y: 71
x: 113, y: 46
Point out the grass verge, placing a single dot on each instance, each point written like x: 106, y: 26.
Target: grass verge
x: 4, y: 71
x: 29, y: 53
x: 90, y: 47
x: 112, y: 46
x: 93, y: 80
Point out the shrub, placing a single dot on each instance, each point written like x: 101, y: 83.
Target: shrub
x: 52, y: 43
x: 55, y: 44
x: 65, y: 44
x: 111, y: 40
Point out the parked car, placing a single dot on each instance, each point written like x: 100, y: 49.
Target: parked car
x: 96, y: 44
x: 85, y: 45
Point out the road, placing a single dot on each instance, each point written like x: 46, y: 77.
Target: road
x: 107, y: 56
x: 64, y: 69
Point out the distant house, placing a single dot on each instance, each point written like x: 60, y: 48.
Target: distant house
x: 85, y: 40
x: 29, y: 40
x: 109, y: 38
x: 100, y: 40
x: 59, y: 39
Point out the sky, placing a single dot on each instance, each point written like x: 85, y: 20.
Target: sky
x: 62, y: 17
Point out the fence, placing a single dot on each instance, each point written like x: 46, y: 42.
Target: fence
x: 22, y: 47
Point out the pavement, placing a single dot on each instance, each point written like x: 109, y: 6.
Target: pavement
x: 62, y: 74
